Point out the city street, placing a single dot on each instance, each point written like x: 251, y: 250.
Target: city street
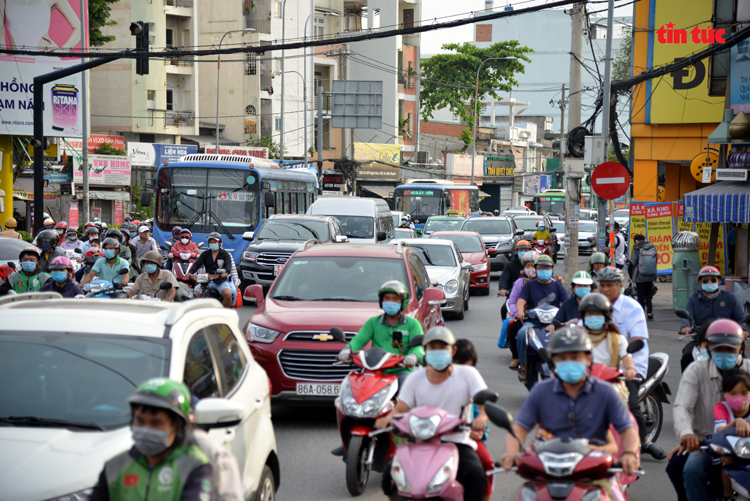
x: 305, y: 436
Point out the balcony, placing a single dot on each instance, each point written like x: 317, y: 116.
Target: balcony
x: 180, y: 119
x: 179, y: 65
x: 327, y: 105
x: 183, y: 8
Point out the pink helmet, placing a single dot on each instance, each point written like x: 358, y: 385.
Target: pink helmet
x: 724, y: 332
x: 61, y: 263
x: 709, y: 271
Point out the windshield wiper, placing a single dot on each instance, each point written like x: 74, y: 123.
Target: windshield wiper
x: 288, y: 298
x: 37, y: 421
x: 426, y: 254
x: 220, y: 225
x: 338, y: 299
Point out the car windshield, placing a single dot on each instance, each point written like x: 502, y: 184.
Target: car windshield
x: 560, y: 226
x: 466, y: 243
x: 336, y: 278
x: 442, y: 225
x: 396, y: 220
x: 68, y: 379
x: 357, y: 226
x: 10, y: 248
x: 282, y: 229
x: 588, y: 227
x: 527, y: 223
x: 487, y: 226
x: 622, y: 213
x: 435, y: 255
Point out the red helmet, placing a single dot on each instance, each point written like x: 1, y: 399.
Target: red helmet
x: 61, y: 263
x: 724, y: 332
x: 62, y: 224
x: 89, y: 225
x: 709, y: 271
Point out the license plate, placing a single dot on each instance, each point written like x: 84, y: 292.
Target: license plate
x: 315, y: 389
x: 277, y: 268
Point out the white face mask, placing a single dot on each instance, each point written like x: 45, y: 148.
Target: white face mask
x: 185, y: 241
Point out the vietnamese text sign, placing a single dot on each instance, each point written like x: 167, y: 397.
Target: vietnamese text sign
x: 367, y: 153
x: 703, y: 230
x: 459, y: 166
x: 637, y: 222
x: 105, y: 170
x: 500, y: 166
x: 151, y: 155
x: 73, y: 214
x: 72, y: 145
x: 659, y: 233
x: 740, y: 75
x: 244, y: 151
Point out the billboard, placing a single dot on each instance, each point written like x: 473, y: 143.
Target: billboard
x: 55, y: 25
x: 72, y: 145
x: 150, y: 155
x: 367, y: 152
x: 459, y: 166
x: 243, y: 151
x: 105, y: 170
x: 740, y: 75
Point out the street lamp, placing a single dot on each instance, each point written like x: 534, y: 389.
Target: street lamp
x: 218, y: 81
x: 476, y: 98
x: 304, y: 100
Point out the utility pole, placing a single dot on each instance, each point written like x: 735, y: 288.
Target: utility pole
x: 606, y: 100
x: 417, y: 83
x: 85, y: 129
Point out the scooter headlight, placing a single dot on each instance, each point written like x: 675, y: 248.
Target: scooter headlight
x: 399, y: 477
x: 95, y: 288
x: 742, y: 448
x: 441, y: 477
x: 350, y: 405
x: 423, y: 428
x: 375, y: 404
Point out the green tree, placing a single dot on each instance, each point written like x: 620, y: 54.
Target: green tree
x: 141, y: 211
x: 267, y: 142
x: 623, y: 60
x: 448, y: 80
x: 99, y: 11
x: 108, y: 149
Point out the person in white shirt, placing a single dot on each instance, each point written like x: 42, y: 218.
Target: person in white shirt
x: 628, y: 316
x: 620, y: 257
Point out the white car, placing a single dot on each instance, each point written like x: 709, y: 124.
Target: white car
x: 68, y: 366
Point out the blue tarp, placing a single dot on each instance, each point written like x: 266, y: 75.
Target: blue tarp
x: 723, y: 202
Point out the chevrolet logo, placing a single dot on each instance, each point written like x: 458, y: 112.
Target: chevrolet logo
x: 322, y: 337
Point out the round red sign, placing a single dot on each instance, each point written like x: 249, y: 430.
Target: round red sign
x: 610, y: 180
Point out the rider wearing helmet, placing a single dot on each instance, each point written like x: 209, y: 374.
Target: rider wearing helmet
x: 541, y: 232
x: 183, y: 245
x: 581, y: 285
x: 215, y: 258
x: 47, y: 241
x: 699, y: 391
x: 529, y: 273
x: 29, y: 278
x: 712, y: 302
x: 71, y: 241
x: 610, y: 347
x: 124, y: 249
x: 597, y: 261
x: 108, y: 268
x: 575, y: 405
x: 165, y: 462
x: 10, y: 229
x: 49, y: 223
x: 61, y: 270
x: 144, y: 242
x: 149, y: 282
x: 92, y: 238
x: 512, y: 270
x: 450, y: 387
x: 60, y: 229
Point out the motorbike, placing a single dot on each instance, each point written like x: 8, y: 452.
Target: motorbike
x: 7, y: 270
x: 103, y: 289
x: 180, y: 265
x: 560, y: 468
x: 538, y: 338
x: 74, y: 255
x: 541, y: 247
x: 145, y: 297
x: 424, y: 467
x: 727, y: 443
x: 691, y: 351
x: 367, y: 393
x: 203, y: 279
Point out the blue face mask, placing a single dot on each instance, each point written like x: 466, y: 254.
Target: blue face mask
x: 59, y: 276
x: 391, y: 309
x: 521, y: 254
x: 710, y: 288
x: 703, y: 354
x: 109, y: 253
x: 213, y: 247
x: 45, y: 246
x: 595, y: 323
x: 582, y: 291
x: 438, y: 359
x: 569, y: 371
x: 724, y: 361
x: 28, y: 266
x: 150, y: 268
x: 133, y: 235
x: 544, y: 275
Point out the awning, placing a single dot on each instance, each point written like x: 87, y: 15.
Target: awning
x: 723, y: 202
x: 23, y: 189
x: 120, y: 196
x: 381, y: 191
x: 203, y: 141
x: 483, y: 194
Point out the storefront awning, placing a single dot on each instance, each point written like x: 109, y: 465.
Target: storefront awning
x: 723, y: 202
x: 381, y: 191
x: 203, y: 141
x: 23, y: 189
x: 483, y: 194
x: 119, y: 196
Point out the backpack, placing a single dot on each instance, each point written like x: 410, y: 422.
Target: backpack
x: 647, y: 261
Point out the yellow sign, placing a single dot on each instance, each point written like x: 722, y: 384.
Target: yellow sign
x: 659, y: 233
x: 682, y: 96
x: 637, y: 222
x: 703, y: 230
x: 388, y: 153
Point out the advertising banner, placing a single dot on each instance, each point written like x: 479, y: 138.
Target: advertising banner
x: 681, y: 225
x: 460, y: 202
x: 154, y: 155
x: 44, y: 26
x: 704, y: 230
x: 243, y: 151
x: 107, y: 170
x: 659, y: 232
x: 739, y: 89
x: 72, y: 145
x: 73, y: 214
x: 637, y: 222
x: 499, y: 166
x: 459, y: 166
x: 119, y: 213
x: 367, y: 152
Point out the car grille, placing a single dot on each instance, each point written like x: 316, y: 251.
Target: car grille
x: 309, y: 336
x: 312, y: 365
x: 272, y: 258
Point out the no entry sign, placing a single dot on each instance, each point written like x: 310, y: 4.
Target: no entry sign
x: 610, y: 180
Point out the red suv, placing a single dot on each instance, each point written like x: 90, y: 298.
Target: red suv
x: 324, y: 286
x: 472, y: 248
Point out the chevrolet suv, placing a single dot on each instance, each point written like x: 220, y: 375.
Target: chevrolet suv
x: 324, y: 286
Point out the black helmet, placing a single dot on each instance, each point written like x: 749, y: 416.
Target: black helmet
x: 92, y: 230
x: 214, y: 236
x: 115, y: 233
x: 610, y: 274
x: 569, y: 339
x: 395, y: 287
x: 113, y: 242
x: 596, y: 302
x: 50, y: 236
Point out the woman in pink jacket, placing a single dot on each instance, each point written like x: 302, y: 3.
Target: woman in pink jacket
x: 184, y: 244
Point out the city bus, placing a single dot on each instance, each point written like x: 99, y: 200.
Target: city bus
x: 228, y: 194
x: 422, y: 198
x: 549, y: 202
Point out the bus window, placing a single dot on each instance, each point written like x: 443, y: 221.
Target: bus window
x: 301, y: 203
x: 279, y: 203
x: 293, y: 203
x: 287, y: 198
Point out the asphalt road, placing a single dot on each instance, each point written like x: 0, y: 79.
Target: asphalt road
x: 305, y: 436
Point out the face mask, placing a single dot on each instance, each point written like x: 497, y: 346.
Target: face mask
x: 595, y: 323
x: 148, y: 441
x: 150, y: 268
x: 710, y: 287
x: 521, y: 254
x: 133, y: 235
x: 724, y: 361
x: 569, y: 371
x: 582, y: 291
x: 28, y: 266
x: 213, y: 247
x: 72, y: 238
x: 95, y: 248
x: 185, y: 241
x: 109, y: 253
x: 59, y: 276
x: 703, y: 354
x: 60, y: 232
x: 45, y: 246
x: 739, y: 405
x: 438, y: 359
x: 544, y: 275
x: 391, y: 309
x: 530, y: 272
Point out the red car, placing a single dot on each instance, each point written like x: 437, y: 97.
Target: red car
x: 324, y: 286
x: 473, y: 250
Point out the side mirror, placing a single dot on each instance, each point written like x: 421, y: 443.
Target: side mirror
x: 553, y: 230
x: 146, y: 198
x: 338, y: 335
x: 269, y: 199
x: 255, y: 292
x: 168, y: 243
x: 519, y: 233
x: 201, y: 245
x: 218, y: 413
x: 635, y: 345
x: 466, y: 266
x: 485, y: 396
x: 248, y: 235
x: 416, y: 341
x: 492, y: 251
x: 124, y: 272
x: 341, y: 239
x: 544, y: 354
x: 682, y: 314
x: 434, y: 297
x: 165, y: 286
x: 501, y: 418
x: 381, y: 236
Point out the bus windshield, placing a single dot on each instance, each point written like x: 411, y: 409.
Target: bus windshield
x: 419, y: 203
x: 550, y: 205
x: 205, y: 200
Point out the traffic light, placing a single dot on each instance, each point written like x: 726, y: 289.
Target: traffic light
x: 140, y: 31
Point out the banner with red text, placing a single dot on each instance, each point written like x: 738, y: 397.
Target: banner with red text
x: 659, y: 232
x: 637, y: 222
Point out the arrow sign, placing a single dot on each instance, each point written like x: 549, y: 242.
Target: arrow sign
x: 610, y: 180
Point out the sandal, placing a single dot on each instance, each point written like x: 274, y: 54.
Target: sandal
x: 522, y: 374
x: 513, y: 365
x: 650, y: 316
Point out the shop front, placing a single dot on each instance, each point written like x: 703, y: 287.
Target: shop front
x: 109, y: 187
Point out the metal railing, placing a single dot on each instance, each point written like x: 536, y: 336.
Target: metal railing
x: 181, y: 61
x: 180, y: 119
x: 179, y: 3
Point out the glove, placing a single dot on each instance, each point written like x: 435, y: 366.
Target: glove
x: 410, y: 360
x: 344, y: 354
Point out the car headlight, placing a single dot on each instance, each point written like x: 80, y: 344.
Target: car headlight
x: 250, y: 256
x: 479, y: 267
x: 423, y: 428
x: 260, y: 334
x: 742, y: 448
x: 75, y: 496
x: 451, y: 287
x: 399, y: 477
x: 441, y: 477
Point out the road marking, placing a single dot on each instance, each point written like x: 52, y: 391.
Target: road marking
x: 610, y: 180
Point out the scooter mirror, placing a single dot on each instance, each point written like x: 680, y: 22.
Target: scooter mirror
x: 485, y: 396
x: 545, y: 355
x: 165, y: 286
x: 338, y: 335
x: 682, y: 314
x: 635, y: 345
x: 77, y: 251
x: 123, y: 272
x: 416, y: 341
x: 501, y: 418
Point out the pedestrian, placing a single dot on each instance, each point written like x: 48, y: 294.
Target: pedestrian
x: 619, y: 247
x: 10, y: 229
x: 144, y: 242
x: 643, y: 272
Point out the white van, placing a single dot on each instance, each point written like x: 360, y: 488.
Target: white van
x: 364, y: 220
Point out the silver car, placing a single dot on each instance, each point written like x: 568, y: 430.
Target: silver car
x: 587, y: 235
x: 447, y: 270
x: 499, y: 233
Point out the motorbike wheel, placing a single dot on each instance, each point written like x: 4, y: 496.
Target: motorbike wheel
x: 357, y: 472
x: 653, y: 415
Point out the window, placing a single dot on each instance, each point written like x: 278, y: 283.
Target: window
x: 418, y: 275
x: 232, y: 360
x: 277, y: 10
x: 150, y: 95
x: 411, y: 74
x: 251, y: 64
x: 200, y: 374
x: 277, y: 123
x: 170, y: 37
x: 319, y: 27
x: 301, y: 208
x: 170, y: 100
x: 251, y: 121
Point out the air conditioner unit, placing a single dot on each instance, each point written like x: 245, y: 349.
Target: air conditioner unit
x: 150, y: 105
x: 731, y: 175
x: 422, y: 157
